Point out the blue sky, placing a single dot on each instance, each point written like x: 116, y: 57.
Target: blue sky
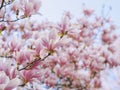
x: 53, y: 9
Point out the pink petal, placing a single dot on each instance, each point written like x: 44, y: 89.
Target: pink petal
x: 12, y: 84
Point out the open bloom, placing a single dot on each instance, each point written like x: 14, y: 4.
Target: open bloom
x: 31, y: 7
x: 51, y: 42
x: 24, y: 56
x: 29, y: 76
x: 88, y: 12
x: 6, y: 83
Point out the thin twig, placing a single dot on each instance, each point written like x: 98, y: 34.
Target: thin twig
x: 13, y: 20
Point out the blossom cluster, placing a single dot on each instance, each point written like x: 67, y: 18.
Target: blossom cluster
x: 63, y: 55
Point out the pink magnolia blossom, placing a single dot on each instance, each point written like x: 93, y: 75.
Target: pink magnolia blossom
x: 24, y: 57
x: 29, y: 76
x: 2, y: 11
x: 6, y: 83
x: 4, y: 79
x: 51, y: 42
x: 88, y: 12
x: 30, y: 7
x: 14, y: 45
x: 8, y: 69
x: 61, y: 55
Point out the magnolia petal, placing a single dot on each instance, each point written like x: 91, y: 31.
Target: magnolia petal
x: 13, y: 84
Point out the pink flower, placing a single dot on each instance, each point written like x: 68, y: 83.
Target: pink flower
x: 6, y: 83
x: 51, y: 42
x: 15, y: 6
x: 15, y: 44
x: 7, y: 67
x: 13, y: 84
x: 30, y: 75
x: 24, y: 56
x: 38, y: 46
x: 4, y: 80
x: 97, y: 82
x: 88, y: 12
x: 2, y: 27
x: 26, y: 35
x: 31, y: 7
x: 108, y: 37
x: 36, y: 4
x: 2, y: 11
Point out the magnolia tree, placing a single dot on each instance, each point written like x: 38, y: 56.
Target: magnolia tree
x: 66, y: 55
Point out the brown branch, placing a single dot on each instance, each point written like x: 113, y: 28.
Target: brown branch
x: 30, y: 64
x: 13, y: 20
x: 7, y: 56
x: 2, y: 4
x: 8, y: 3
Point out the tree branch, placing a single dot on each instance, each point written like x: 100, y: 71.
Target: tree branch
x: 29, y: 66
x: 7, y: 56
x: 13, y: 20
x: 2, y: 4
